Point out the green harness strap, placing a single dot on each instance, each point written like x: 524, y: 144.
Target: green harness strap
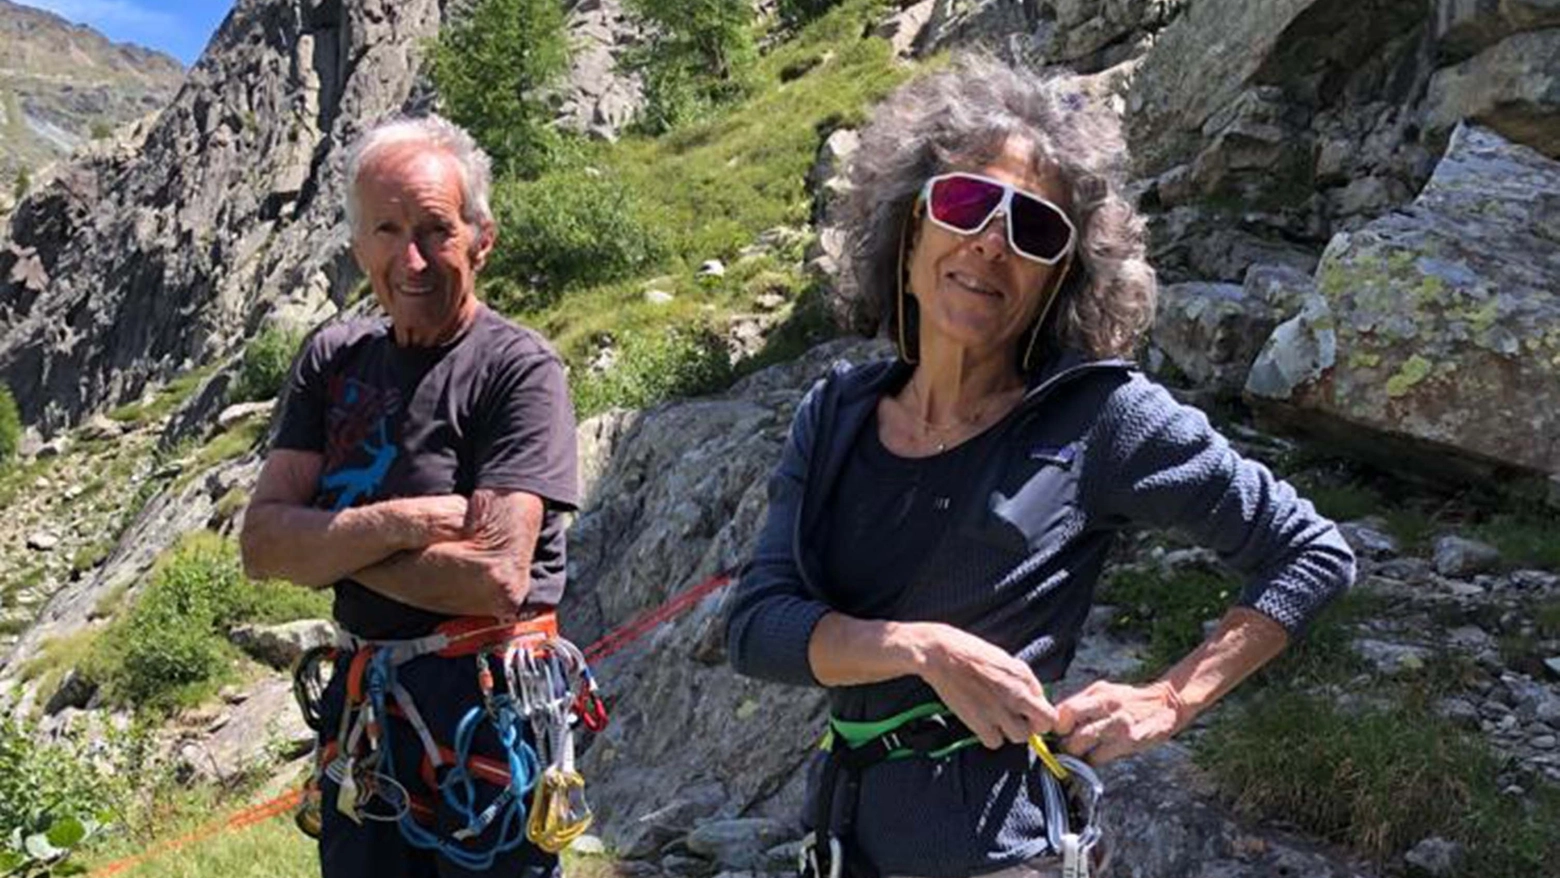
x: 855, y: 734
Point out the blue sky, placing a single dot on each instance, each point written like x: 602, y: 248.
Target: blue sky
x: 179, y: 27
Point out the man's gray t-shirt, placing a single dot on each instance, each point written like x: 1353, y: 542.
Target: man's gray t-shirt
x: 490, y: 409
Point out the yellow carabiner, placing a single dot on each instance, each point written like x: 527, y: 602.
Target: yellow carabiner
x: 308, y: 814
x: 1037, y: 744
x: 559, y: 813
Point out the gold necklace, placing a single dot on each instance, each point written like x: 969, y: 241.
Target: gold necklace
x: 946, y: 429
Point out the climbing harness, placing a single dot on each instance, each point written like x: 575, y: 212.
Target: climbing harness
x: 526, y: 675
x: 1071, y: 789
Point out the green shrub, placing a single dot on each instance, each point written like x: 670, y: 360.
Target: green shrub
x: 10, y: 426
x: 701, y: 54
x: 170, y: 639
x: 267, y: 359
x: 231, y: 443
x: 489, y: 69
x: 566, y: 229
x: 652, y: 367
x: 50, y: 802
x: 171, y: 645
x: 230, y: 503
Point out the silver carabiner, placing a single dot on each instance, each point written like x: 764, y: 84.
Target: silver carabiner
x: 807, y: 857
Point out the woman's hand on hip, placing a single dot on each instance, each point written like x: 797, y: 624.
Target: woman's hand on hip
x: 995, y: 694
x: 1107, y: 721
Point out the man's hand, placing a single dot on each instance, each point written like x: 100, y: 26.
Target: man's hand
x: 1109, y: 720
x: 440, y: 518
x: 994, y: 693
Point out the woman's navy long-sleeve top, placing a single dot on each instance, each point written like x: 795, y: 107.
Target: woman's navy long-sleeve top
x: 1093, y: 446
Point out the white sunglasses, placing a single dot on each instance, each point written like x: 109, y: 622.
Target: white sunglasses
x: 963, y: 203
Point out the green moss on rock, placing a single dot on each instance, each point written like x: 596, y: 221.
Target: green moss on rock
x: 1414, y: 370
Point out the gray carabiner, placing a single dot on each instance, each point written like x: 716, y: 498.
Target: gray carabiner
x: 807, y: 857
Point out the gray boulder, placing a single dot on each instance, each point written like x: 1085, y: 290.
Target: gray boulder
x: 1462, y: 557
x: 1463, y: 27
x: 1436, y: 323
x: 1391, y: 658
x: 1283, y: 288
x: 1435, y: 857
x: 75, y: 690
x: 1300, y: 351
x: 597, y: 96
x: 1369, y: 538
x: 826, y: 179
x: 1512, y: 87
x: 1259, y: 129
x: 903, y: 28
x: 1210, y: 333
x: 243, y: 411
x: 280, y: 645
x: 737, y: 844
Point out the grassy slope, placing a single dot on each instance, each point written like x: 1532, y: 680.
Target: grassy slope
x: 713, y: 187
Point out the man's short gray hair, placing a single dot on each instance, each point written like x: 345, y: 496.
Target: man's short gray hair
x: 437, y: 132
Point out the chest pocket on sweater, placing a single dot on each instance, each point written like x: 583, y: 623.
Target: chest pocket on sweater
x: 1023, y: 508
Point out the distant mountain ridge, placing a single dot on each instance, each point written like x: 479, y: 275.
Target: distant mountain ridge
x: 63, y: 83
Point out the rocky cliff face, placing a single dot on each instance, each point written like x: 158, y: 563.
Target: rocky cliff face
x: 155, y: 255
x: 62, y: 85
x: 596, y: 97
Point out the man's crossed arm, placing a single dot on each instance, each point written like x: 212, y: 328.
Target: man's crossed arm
x: 440, y: 553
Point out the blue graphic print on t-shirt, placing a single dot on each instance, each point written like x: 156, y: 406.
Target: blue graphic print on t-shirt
x: 360, y: 448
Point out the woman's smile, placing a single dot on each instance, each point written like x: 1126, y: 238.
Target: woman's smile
x: 973, y: 284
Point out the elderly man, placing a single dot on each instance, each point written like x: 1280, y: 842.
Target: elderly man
x: 422, y: 469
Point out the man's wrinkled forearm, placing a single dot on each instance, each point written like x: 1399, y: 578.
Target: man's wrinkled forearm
x: 458, y: 578
x: 316, y: 547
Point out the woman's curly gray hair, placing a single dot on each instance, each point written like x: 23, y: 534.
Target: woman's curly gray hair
x: 960, y: 118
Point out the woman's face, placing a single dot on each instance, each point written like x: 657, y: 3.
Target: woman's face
x: 973, y: 290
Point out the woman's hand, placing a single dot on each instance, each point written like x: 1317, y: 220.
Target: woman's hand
x: 995, y: 694
x: 1110, y: 720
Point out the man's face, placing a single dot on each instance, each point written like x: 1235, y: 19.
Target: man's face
x: 420, y: 255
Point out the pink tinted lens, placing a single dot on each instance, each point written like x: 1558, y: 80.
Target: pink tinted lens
x: 964, y: 202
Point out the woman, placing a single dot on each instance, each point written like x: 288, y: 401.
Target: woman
x: 938, y: 522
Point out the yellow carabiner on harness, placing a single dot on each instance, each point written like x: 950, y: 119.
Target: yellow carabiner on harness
x: 308, y: 814
x: 1037, y: 744
x: 559, y: 813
